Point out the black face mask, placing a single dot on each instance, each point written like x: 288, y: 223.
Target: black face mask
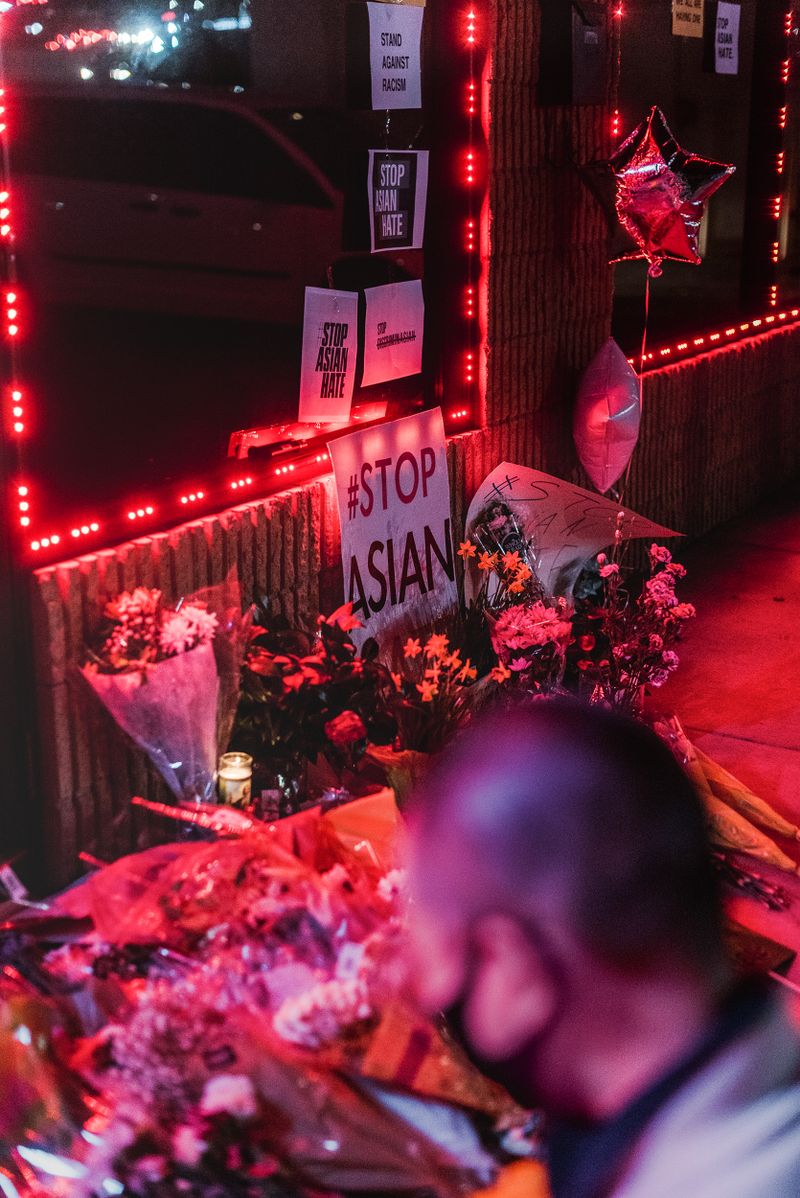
x: 515, y: 1073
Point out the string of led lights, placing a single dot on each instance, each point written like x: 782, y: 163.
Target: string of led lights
x: 145, y: 513
x: 15, y: 422
x: 761, y: 324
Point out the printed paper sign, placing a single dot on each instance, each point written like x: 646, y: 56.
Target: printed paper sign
x: 395, y: 44
x: 565, y: 524
x: 687, y: 18
x: 726, y: 39
x: 393, y: 332
x: 398, y: 192
x: 330, y: 342
x: 394, y: 508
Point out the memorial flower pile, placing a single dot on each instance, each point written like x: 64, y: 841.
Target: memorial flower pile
x: 219, y: 1021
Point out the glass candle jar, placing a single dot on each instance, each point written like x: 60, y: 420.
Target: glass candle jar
x: 234, y: 779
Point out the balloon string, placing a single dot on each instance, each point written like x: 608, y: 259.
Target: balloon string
x: 642, y: 354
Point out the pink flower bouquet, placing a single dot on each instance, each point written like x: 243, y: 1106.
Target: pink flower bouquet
x: 169, y: 676
x: 530, y: 640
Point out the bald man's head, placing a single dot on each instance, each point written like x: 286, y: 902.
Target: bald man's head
x: 567, y: 813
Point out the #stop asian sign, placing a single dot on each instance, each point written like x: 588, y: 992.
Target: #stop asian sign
x: 393, y: 494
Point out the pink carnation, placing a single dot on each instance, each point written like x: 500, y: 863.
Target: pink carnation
x: 660, y: 590
x: 609, y: 571
x: 684, y: 611
x: 660, y: 553
x: 670, y: 660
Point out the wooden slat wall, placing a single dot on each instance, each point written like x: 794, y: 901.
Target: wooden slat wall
x: 286, y: 547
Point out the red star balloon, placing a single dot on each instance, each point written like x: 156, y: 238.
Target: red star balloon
x: 661, y: 192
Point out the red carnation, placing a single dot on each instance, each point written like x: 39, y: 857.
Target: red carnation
x: 345, y: 729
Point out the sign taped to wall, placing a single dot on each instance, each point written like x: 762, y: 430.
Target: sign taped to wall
x: 330, y: 344
x: 687, y: 18
x: 393, y: 332
x: 395, y: 48
x: 397, y: 184
x: 393, y: 495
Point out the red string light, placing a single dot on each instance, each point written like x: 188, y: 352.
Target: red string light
x: 686, y: 350
x: 472, y: 172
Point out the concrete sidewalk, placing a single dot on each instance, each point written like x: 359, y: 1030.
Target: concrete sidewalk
x: 737, y: 690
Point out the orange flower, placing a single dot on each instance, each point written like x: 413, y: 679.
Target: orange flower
x: 467, y: 673
x: 398, y: 681
x: 436, y: 645
x: 427, y: 690
x: 511, y: 561
x: 433, y: 672
x: 487, y: 561
x: 516, y: 588
x: 466, y: 549
x: 412, y: 647
x: 500, y: 673
x: 453, y: 662
x: 524, y: 573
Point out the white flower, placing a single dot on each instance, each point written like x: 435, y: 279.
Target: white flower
x: 177, y: 634
x: 392, y: 886
x: 204, y: 622
x: 187, y: 1145
x: 187, y: 628
x: 321, y: 1014
x: 230, y: 1094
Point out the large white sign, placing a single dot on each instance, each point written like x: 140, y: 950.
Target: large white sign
x: 330, y: 345
x: 395, y: 44
x: 565, y: 524
x: 393, y: 332
x: 726, y: 39
x: 394, y: 507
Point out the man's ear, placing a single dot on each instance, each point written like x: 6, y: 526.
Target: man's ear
x: 514, y: 996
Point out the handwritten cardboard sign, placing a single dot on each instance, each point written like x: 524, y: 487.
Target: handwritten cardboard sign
x: 398, y: 191
x: 565, y: 524
x: 330, y: 343
x: 395, y: 47
x: 687, y: 18
x: 393, y: 332
x: 726, y: 39
x: 394, y: 508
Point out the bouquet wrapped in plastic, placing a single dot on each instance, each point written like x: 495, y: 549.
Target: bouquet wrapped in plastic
x: 230, y: 1028
x: 169, y: 675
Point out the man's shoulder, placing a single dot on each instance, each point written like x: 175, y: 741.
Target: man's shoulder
x: 734, y: 1130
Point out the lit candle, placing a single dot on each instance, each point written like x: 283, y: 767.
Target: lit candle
x: 234, y: 779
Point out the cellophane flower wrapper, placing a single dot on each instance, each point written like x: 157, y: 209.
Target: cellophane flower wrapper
x: 180, y: 711
x: 261, y: 966
x: 43, y: 1105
